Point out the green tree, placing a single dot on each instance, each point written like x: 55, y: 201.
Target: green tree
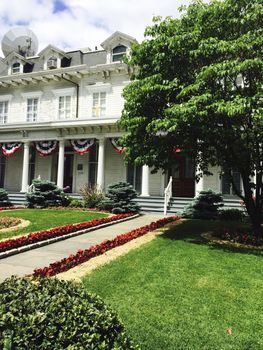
x: 197, y: 85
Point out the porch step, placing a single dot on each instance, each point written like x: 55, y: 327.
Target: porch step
x: 17, y: 199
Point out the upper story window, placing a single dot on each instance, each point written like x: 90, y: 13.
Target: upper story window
x: 99, y: 104
x: 3, y: 112
x: 32, y: 109
x: 118, y: 52
x: 64, y: 108
x: 16, y: 67
x: 52, y: 63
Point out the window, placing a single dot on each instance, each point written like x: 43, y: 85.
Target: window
x: 227, y: 187
x: 118, y: 52
x: 64, y: 108
x: 3, y: 112
x: 32, y: 109
x: 134, y: 176
x: 99, y: 104
x: 16, y: 68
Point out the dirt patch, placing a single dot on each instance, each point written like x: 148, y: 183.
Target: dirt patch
x: 22, y: 224
x: 210, y: 236
x: 81, y: 270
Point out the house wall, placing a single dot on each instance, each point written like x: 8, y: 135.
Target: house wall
x: 212, y: 182
x: 13, y: 173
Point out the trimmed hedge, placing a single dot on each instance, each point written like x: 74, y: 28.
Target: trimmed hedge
x: 45, y: 313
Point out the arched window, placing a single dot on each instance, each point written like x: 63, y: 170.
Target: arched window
x: 16, y: 67
x: 118, y: 52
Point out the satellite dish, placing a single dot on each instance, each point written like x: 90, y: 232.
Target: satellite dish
x: 20, y: 40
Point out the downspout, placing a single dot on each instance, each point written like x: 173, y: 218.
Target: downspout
x: 77, y: 85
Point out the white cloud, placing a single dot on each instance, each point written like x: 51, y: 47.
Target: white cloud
x: 85, y: 22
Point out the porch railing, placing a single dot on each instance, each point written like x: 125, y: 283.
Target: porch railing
x: 167, y: 195
x: 30, y: 188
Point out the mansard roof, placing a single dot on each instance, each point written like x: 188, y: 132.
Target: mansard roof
x: 50, y: 49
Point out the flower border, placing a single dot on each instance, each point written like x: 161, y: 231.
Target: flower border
x: 84, y: 255
x: 59, y: 231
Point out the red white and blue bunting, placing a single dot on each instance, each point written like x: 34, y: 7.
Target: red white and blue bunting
x: 116, y: 147
x: 46, y: 148
x: 9, y: 148
x: 82, y: 146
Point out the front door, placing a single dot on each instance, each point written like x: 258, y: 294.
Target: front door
x: 68, y: 171
x: 183, y: 173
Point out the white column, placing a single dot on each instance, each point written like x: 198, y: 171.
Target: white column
x: 101, y: 164
x: 61, y: 152
x: 199, y: 186
x: 25, y: 171
x: 145, y: 181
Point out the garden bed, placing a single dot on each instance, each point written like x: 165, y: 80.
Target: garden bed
x: 61, y: 231
x: 84, y: 255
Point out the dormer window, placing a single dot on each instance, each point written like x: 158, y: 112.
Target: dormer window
x: 16, y: 67
x: 52, y: 63
x: 118, y: 52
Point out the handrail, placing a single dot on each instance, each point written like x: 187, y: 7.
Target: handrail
x: 167, y: 195
x: 31, y: 188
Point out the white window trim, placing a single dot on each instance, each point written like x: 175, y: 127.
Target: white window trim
x: 62, y: 93
x: 32, y: 94
x: 7, y: 98
x: 58, y: 61
x: 106, y: 104
x: 99, y: 87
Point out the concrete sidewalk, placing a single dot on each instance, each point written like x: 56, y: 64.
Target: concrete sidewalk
x: 24, y: 263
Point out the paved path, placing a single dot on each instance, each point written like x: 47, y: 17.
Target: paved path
x: 24, y: 263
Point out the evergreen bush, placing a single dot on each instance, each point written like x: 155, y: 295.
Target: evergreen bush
x: 119, y: 199
x: 4, y: 201
x: 204, y: 206
x: 46, y: 194
x: 45, y: 313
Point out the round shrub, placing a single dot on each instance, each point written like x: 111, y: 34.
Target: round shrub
x: 46, y: 313
x: 231, y: 214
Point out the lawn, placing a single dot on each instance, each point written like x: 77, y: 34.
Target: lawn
x: 181, y: 293
x: 42, y: 219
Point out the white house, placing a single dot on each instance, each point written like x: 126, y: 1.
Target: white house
x: 58, y: 114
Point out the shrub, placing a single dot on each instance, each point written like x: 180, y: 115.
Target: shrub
x: 75, y: 203
x: 46, y: 194
x: 204, y: 206
x: 231, y: 214
x: 92, y: 196
x: 45, y: 313
x: 119, y: 199
x: 4, y: 201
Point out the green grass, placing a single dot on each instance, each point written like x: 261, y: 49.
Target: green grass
x: 42, y: 219
x: 179, y: 292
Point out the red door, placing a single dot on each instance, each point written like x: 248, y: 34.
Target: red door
x: 68, y: 171
x: 183, y: 174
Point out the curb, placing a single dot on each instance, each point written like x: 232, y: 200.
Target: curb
x: 61, y: 238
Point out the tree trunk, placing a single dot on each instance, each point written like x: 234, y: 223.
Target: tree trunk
x: 253, y: 208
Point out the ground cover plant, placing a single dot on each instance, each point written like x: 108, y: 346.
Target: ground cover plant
x: 46, y: 218
x: 57, y: 232
x: 7, y: 222
x: 182, y: 292
x: 51, y: 314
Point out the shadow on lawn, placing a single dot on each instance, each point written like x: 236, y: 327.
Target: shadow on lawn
x: 190, y: 231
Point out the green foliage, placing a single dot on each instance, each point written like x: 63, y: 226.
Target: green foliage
x: 231, y: 214
x: 198, y: 87
x: 46, y: 194
x: 119, y: 199
x: 4, y: 201
x: 92, y: 196
x: 47, y: 313
x: 204, y: 206
x: 75, y: 203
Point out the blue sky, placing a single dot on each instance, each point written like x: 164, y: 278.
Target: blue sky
x: 74, y: 24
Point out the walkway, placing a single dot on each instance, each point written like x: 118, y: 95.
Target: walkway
x: 24, y: 263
